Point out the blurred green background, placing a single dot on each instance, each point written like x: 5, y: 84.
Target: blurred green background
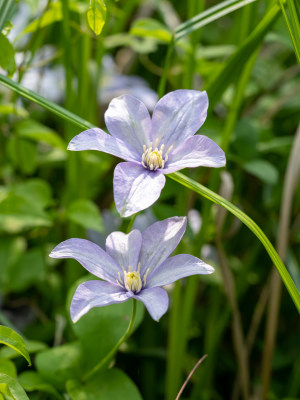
x: 244, y: 53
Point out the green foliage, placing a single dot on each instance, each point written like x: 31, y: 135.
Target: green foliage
x: 147, y: 27
x: 86, y: 214
x: 11, y: 388
x: 111, y: 384
x: 7, y: 55
x: 96, y: 16
x: 243, y: 53
x: 15, y: 341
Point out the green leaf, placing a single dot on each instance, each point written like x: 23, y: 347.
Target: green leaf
x: 53, y: 14
x: 22, y: 154
x: 86, y: 214
x: 14, y: 340
x: 7, y: 55
x: 18, y: 214
x: 148, y: 27
x: 32, y: 381
x: 7, y: 367
x: 263, y: 170
x: 29, y: 269
x: 10, y: 108
x: 109, y: 384
x: 216, y: 198
x: 33, y: 347
x: 10, y: 387
x: 96, y: 16
x: 36, y: 191
x: 33, y: 130
x: 59, y: 364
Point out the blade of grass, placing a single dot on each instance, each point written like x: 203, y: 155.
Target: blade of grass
x: 210, y: 15
x: 293, y: 27
x: 6, y: 8
x: 178, y: 177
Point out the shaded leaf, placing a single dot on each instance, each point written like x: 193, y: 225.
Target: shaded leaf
x: 86, y: 214
x: 33, y: 130
x: 32, y: 381
x: 110, y: 384
x: 263, y: 170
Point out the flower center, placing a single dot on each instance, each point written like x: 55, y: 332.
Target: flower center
x: 132, y: 279
x: 154, y: 159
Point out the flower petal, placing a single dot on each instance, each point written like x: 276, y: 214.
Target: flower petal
x: 177, y: 267
x: 95, y: 294
x: 90, y: 256
x: 159, y: 241
x: 125, y: 249
x: 136, y: 188
x: 177, y: 116
x: 128, y: 119
x: 156, y: 301
x: 96, y: 139
x: 196, y: 151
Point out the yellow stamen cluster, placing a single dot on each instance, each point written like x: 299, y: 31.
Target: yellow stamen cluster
x: 154, y: 159
x: 132, y: 280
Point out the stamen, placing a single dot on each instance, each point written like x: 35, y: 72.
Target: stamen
x: 139, y: 267
x: 154, y: 159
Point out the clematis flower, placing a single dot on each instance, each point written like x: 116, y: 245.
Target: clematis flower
x: 133, y: 266
x: 151, y: 147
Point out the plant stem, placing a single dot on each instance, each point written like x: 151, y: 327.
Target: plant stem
x: 116, y: 347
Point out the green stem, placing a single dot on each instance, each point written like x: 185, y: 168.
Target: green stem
x: 163, y: 79
x: 131, y: 222
x: 116, y: 347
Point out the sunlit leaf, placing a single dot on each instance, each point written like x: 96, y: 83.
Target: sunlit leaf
x: 263, y: 170
x: 96, y: 16
x: 10, y: 387
x: 7, y: 55
x: 12, y: 339
x: 147, y: 27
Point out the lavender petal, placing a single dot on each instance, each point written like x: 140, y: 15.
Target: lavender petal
x: 96, y: 294
x: 128, y: 119
x: 90, y: 256
x: 177, y: 267
x: 96, y: 139
x: 177, y: 116
x: 159, y: 241
x: 196, y: 151
x: 125, y: 249
x: 156, y: 301
x: 136, y: 188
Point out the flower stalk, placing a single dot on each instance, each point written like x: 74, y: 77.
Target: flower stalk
x: 113, y: 351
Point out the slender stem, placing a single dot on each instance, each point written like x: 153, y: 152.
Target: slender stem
x: 116, y: 347
x: 163, y: 79
x: 190, y: 375
x: 131, y: 222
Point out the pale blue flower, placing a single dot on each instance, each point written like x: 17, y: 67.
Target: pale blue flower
x: 133, y: 266
x: 152, y: 147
